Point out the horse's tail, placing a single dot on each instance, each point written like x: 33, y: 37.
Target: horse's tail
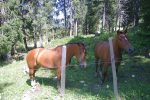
x: 25, y: 69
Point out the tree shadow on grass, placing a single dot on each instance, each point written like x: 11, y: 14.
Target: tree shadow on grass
x: 4, y: 63
x: 44, y: 81
x: 4, y: 85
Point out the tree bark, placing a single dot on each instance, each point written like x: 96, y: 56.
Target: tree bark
x: 136, y: 12
x: 35, y: 40
x: 41, y: 37
x: 25, y: 43
x: 25, y: 34
x: 65, y: 13
x: 104, y: 16
x: 71, y: 19
x: 117, y: 14
x: 35, y: 27
x: 76, y: 28
x: 13, y: 50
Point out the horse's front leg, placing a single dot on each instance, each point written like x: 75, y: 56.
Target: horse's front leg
x: 100, y: 71
x: 96, y: 69
x: 117, y: 66
x: 58, y: 79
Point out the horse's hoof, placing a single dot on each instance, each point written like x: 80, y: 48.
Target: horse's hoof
x: 34, y: 83
x: 59, y: 91
x: 55, y: 78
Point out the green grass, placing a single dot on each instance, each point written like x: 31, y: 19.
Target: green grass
x: 14, y: 83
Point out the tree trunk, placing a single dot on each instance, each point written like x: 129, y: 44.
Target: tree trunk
x: 47, y: 36
x: 24, y: 38
x: 70, y: 30
x: 24, y: 33
x: 65, y: 13
x: 136, y: 12
x: 71, y: 20
x: 76, y: 28
x: 35, y: 27
x: 25, y: 43
x: 35, y: 40
x: 104, y: 16
x: 86, y: 26
x: 106, y: 19
x: 53, y: 32
x: 13, y: 50
x: 117, y: 14
x: 41, y: 37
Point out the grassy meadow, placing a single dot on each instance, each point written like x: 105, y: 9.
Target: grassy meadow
x: 133, y: 78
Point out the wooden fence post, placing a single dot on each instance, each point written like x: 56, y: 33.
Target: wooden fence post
x: 113, y: 68
x: 63, y: 69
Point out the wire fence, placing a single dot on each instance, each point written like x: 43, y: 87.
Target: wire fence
x: 89, y: 64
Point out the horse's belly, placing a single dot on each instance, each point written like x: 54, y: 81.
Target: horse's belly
x: 49, y: 66
x: 45, y: 62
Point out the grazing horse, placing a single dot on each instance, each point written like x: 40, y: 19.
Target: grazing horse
x: 51, y: 58
x: 102, y: 53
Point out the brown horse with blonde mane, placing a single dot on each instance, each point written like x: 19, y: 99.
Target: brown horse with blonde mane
x: 51, y: 58
x: 102, y: 53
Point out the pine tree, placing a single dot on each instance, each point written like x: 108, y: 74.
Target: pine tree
x: 146, y: 15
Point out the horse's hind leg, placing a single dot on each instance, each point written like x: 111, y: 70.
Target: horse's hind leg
x: 104, y: 72
x: 100, y: 71
x: 32, y: 76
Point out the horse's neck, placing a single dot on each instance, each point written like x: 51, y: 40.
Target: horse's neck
x: 117, y: 49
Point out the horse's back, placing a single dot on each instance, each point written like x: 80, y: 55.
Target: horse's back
x: 102, y: 51
x: 34, y: 52
x: 49, y: 58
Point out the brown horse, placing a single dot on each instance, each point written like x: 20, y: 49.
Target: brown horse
x: 102, y: 54
x: 51, y: 58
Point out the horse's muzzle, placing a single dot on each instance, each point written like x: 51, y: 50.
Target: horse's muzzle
x: 83, y: 65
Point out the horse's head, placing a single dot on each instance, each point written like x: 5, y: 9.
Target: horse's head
x: 124, y: 42
x: 81, y: 55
